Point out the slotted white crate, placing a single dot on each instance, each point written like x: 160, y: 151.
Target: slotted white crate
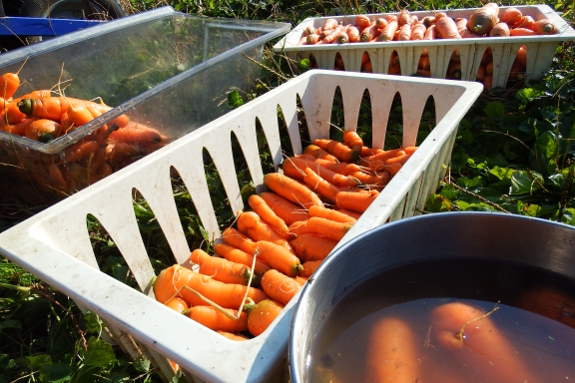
x: 540, y: 49
x: 55, y: 244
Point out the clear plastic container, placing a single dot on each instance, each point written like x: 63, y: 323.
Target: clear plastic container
x: 175, y: 68
x: 69, y: 263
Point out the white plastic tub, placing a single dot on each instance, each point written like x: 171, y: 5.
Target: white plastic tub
x: 55, y: 244
x: 540, y: 49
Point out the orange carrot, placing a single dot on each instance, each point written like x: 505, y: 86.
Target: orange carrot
x: 489, y: 68
x: 331, y: 37
x: 238, y: 240
x: 430, y: 33
x: 284, y: 209
x: 301, y: 280
x: 239, y: 256
x: 43, y: 130
x: 330, y: 24
x: 279, y: 287
x: 310, y: 267
x: 521, y: 57
x: 328, y: 228
x: 388, y: 32
x: 353, y: 214
x: 418, y: 31
x: 446, y: 27
x: 404, y: 32
x: 215, y: 320
x: 228, y: 295
x: 423, y: 62
x: 295, y: 167
x: 320, y: 185
x: 312, y: 39
x: 318, y: 152
x: 300, y: 228
x: 487, y: 82
x: 424, y: 72
x: 18, y: 128
x: 483, y: 19
x: 260, y: 316
x: 428, y: 21
x: 522, y: 32
x: 511, y: 16
x: 279, y: 258
x: 403, y: 18
x: 353, y: 34
x: 525, y: 22
x: 362, y: 21
x: 369, y: 34
x: 341, y: 151
x: 81, y: 150
x: 381, y: 23
x: 480, y: 73
x: 545, y: 27
x: 291, y: 190
x: 177, y: 304
x: 334, y: 215
x: 266, y: 213
x: 355, y: 201
x: 251, y: 224
x: 221, y: 269
x: 9, y: 83
x: 342, y: 168
x: 499, y: 30
x: 454, y: 70
x: 311, y: 247
x: 390, y: 18
x: 233, y: 336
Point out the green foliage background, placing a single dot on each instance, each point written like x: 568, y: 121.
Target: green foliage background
x: 514, y: 152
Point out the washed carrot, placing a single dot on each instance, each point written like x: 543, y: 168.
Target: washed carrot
x: 511, y: 16
x: 525, y: 22
x: 390, y: 18
x: 309, y: 30
x: 239, y: 256
x: 487, y: 56
x: 487, y: 82
x: 318, y: 152
x: 334, y: 215
x: 403, y: 17
x: 310, y: 267
x: 312, y: 39
x: 404, y: 32
x: 320, y: 185
x: 175, y: 278
x: 266, y: 213
x: 238, y: 240
x: 446, y: 28
x: 474, y: 339
x: 381, y: 23
x: 387, y: 154
x: 291, y: 190
x: 521, y: 57
x: 81, y: 150
x: 343, y: 168
x: 362, y: 21
x: 353, y: 34
x: 9, y: 83
x: 333, y: 34
x: 418, y: 31
x: 428, y: 21
x: 369, y: 34
x: 461, y: 24
x: 499, y: 30
x: 279, y: 286
x: 438, y: 15
x: 328, y: 228
x: 330, y: 24
x: 522, y: 32
x: 413, y: 19
x: 251, y: 224
x: 356, y: 201
x: 233, y: 336
x: 79, y: 115
x: 221, y: 269
x: 454, y: 70
x: 424, y: 62
x: 43, y: 130
x: 12, y: 114
x: 480, y: 73
x: 430, y: 33
x: 261, y: 315
x: 341, y: 151
x: 392, y: 353
x: 311, y: 246
x: 284, y: 209
x: 18, y: 128
x: 489, y: 68
x: 484, y: 19
x: 177, y: 304
x: 300, y: 228
x: 545, y: 27
x: 388, y: 32
x: 301, y: 280
x: 215, y: 320
x: 279, y: 258
x: 381, y: 178
x: 295, y: 167
x: 353, y: 214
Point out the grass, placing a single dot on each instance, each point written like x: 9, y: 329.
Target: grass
x: 514, y: 153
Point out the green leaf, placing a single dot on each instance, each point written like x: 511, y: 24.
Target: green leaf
x: 546, y: 147
x: 532, y: 210
x: 527, y: 94
x: 93, y: 322
x: 34, y: 362
x: 523, y: 183
x: 142, y: 365
x: 557, y: 180
x: 6, y: 362
x: 10, y: 323
x: 56, y: 372
x: 179, y: 378
x: 99, y: 353
x: 119, y: 376
x: 234, y: 99
x: 449, y: 192
x: 501, y: 173
x: 305, y: 64
x: 494, y: 110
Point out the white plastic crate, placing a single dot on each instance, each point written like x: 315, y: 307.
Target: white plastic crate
x: 540, y: 49
x: 55, y: 244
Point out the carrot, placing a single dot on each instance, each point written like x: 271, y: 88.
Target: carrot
x: 418, y: 31
x: 525, y: 22
x: 454, y: 70
x: 511, y: 16
x: 516, y: 72
x: 428, y: 21
x: 489, y: 68
x: 522, y: 32
x: 353, y: 214
x: 238, y: 240
x: 430, y: 33
x: 177, y: 304
x: 330, y: 24
x: 487, y: 56
x: 480, y: 73
x: 311, y: 246
x: 390, y: 18
x: 404, y: 33
x: 499, y: 30
x: 355, y: 201
x: 312, y: 39
x: 320, y: 185
x: 215, y: 320
x: 423, y: 62
x: 362, y: 21
x: 333, y: 34
x: 9, y: 83
x: 446, y: 27
x: 342, y: 168
x: 279, y: 287
x: 233, y: 336
x: 291, y: 190
x: 79, y: 115
x: 301, y: 280
x: 484, y: 19
x: 239, y: 256
x: 544, y: 27
x: 341, y: 151
x: 43, y: 130
x: 310, y: 267
x: 487, y: 82
x: 413, y: 20
x: 18, y: 128
x: 403, y: 18
x: 260, y: 316
x: 328, y: 228
x: 221, y: 269
x: 334, y: 215
x: 369, y: 33
x: 353, y: 34
x: 380, y: 179
x: 392, y: 354
x: 81, y: 150
x: 381, y: 23
x: 300, y: 228
x: 279, y: 258
x: 424, y: 72
x: 266, y: 213
x: 251, y: 224
x: 227, y: 295
x: 284, y: 209
x: 318, y: 152
x: 387, y: 154
x: 479, y: 343
x: 388, y: 32
x: 461, y: 24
